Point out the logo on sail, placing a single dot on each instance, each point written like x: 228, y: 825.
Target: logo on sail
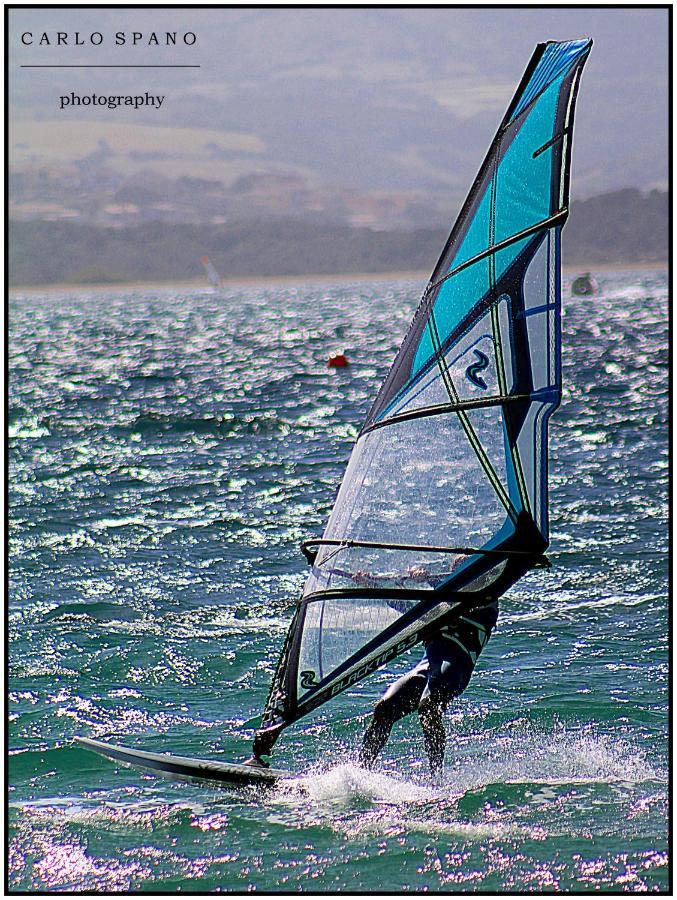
x: 308, y: 679
x: 473, y: 370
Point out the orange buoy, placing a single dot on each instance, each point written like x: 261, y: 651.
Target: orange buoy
x: 338, y: 361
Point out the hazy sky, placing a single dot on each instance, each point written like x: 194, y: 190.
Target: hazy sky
x: 381, y: 98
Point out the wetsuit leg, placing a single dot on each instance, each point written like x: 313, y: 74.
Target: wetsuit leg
x: 401, y: 699
x: 452, y: 655
x: 434, y: 734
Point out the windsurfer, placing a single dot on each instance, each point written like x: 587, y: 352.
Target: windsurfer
x: 443, y: 673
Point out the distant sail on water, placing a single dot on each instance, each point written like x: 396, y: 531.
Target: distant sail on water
x: 444, y: 502
x: 212, y: 274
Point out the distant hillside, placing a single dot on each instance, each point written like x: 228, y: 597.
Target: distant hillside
x: 50, y: 252
x: 372, y: 98
x: 620, y: 227
x: 623, y: 226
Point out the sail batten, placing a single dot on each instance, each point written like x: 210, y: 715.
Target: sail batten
x: 559, y: 218
x: 442, y: 408
x: 443, y: 505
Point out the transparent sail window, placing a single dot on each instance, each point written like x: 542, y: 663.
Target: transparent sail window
x: 335, y: 629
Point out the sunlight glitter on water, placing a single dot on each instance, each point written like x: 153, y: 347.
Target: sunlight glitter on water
x: 166, y: 460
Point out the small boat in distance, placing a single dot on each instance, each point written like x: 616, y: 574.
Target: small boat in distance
x: 584, y: 286
x: 212, y: 274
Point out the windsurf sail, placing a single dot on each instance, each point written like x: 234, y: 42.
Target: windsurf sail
x: 444, y: 502
x: 210, y: 269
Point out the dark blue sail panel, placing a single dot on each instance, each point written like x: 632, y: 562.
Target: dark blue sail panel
x: 554, y: 63
x: 444, y: 502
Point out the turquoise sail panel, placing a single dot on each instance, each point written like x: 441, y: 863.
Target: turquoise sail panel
x: 517, y: 197
x: 454, y: 300
x: 523, y: 179
x: 518, y: 194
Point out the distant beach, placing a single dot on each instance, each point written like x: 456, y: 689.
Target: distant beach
x: 337, y: 278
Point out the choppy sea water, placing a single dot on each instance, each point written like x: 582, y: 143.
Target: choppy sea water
x: 169, y: 451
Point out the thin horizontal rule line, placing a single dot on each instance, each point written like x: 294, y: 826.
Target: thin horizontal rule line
x: 102, y: 66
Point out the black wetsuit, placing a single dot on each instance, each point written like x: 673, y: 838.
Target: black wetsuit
x: 443, y: 673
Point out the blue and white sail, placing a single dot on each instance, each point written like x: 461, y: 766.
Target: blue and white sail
x: 444, y: 502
